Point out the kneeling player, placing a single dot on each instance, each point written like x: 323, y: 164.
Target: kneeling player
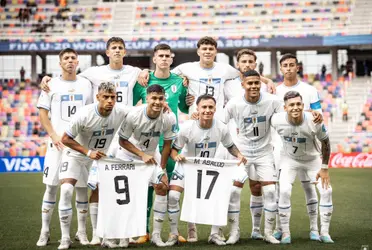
x: 200, y: 138
x: 300, y: 155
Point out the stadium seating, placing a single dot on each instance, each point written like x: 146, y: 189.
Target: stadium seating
x: 20, y: 130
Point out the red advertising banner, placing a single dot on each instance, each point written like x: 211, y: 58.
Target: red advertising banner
x: 350, y: 160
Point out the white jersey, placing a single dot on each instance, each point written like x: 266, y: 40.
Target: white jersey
x: 122, y: 190
x: 233, y: 88
x: 208, y: 184
x: 124, y: 80
x: 310, y: 96
x: 207, y: 81
x: 253, y: 122
x: 299, y: 141
x: 144, y: 132
x: 64, y: 99
x: 198, y: 142
x: 94, y: 131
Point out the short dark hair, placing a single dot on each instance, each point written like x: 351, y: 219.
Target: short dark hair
x: 114, y: 39
x: 67, y: 50
x: 207, y: 40
x: 251, y: 72
x: 205, y: 97
x: 162, y: 46
x: 156, y: 88
x: 291, y: 94
x: 287, y: 56
x: 245, y: 52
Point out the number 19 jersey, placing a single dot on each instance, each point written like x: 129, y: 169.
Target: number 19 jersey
x: 253, y: 122
x: 64, y: 99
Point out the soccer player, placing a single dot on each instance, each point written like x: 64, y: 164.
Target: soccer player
x: 124, y: 78
x: 88, y: 137
x: 289, y: 68
x: 198, y: 138
x: 68, y: 93
x: 300, y: 155
x: 252, y: 113
x: 176, y: 97
x: 139, y: 139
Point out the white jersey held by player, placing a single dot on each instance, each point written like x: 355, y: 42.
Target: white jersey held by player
x: 300, y: 155
x: 252, y: 113
x: 68, y: 94
x: 198, y: 138
x: 139, y: 138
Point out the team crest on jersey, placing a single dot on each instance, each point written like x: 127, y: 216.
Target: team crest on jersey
x: 174, y: 88
x: 71, y: 97
x: 210, y: 80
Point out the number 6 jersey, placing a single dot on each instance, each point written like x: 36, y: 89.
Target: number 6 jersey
x: 64, y: 99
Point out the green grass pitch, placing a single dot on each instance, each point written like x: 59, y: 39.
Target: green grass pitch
x: 351, y: 226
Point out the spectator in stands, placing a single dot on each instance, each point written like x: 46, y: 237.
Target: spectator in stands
x: 22, y: 72
x: 20, y: 15
x: 32, y: 7
x: 261, y: 68
x: 301, y: 69
x: 324, y: 70
x: 26, y: 15
x: 345, y: 109
x: 56, y: 3
x: 3, y: 3
x: 366, y: 68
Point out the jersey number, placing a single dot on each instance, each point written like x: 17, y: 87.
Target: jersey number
x: 100, y: 143
x: 146, y: 143
x: 124, y: 190
x: 46, y: 170
x: 204, y: 154
x: 71, y: 110
x: 119, y: 97
x: 255, y: 131
x: 295, y: 149
x: 209, y: 90
x: 199, y: 183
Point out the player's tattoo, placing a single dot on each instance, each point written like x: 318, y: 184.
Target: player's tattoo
x: 326, y: 150
x: 234, y: 150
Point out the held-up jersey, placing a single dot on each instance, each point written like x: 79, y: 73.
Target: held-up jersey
x: 124, y: 80
x: 122, y: 189
x: 198, y: 142
x: 144, y: 132
x: 94, y: 131
x: 253, y: 122
x: 64, y: 99
x: 310, y: 96
x: 208, y: 184
x: 299, y: 141
x: 207, y: 81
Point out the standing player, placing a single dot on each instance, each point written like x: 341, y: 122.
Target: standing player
x: 252, y: 113
x: 289, y: 68
x: 139, y: 138
x: 300, y: 155
x: 124, y: 78
x: 200, y: 138
x: 88, y: 136
x: 176, y: 97
x: 68, y: 93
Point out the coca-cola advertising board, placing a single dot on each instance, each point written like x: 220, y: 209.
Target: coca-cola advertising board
x: 350, y: 160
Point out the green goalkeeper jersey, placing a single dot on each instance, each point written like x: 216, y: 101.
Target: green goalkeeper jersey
x: 175, y: 94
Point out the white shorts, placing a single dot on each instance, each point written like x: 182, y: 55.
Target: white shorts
x: 262, y: 168
x: 75, y: 167
x: 51, y: 165
x: 306, y: 170
x: 178, y: 175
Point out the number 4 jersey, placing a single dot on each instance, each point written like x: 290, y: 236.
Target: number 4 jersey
x: 123, y: 197
x: 64, y: 99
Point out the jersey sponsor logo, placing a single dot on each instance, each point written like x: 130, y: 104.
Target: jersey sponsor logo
x: 152, y: 133
x: 174, y: 88
x: 255, y: 119
x: 103, y: 132
x: 67, y: 98
x: 350, y: 160
x: 206, y: 145
x: 294, y: 139
x: 121, y: 84
x: 21, y: 164
x: 210, y: 80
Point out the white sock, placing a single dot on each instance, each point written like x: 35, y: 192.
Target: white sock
x: 285, y: 206
x: 174, y: 210
x: 65, y: 209
x: 215, y: 229
x: 277, y: 223
x: 311, y: 204
x: 325, y: 208
x: 270, y: 207
x: 47, y: 207
x: 93, y: 211
x: 160, y: 208
x: 234, y: 208
x: 82, y: 208
x: 256, y: 205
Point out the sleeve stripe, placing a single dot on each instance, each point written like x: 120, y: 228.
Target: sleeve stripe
x: 315, y: 105
x: 124, y: 137
x: 229, y: 145
x: 176, y: 146
x: 43, y: 107
x: 170, y: 138
x: 68, y: 132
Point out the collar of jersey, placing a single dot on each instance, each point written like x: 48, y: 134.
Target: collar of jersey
x: 206, y: 69
x: 286, y: 117
x: 144, y: 112
x: 198, y: 123
x: 298, y: 82
x: 115, y: 70
x: 97, y: 112
x: 61, y: 79
x: 252, y: 103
